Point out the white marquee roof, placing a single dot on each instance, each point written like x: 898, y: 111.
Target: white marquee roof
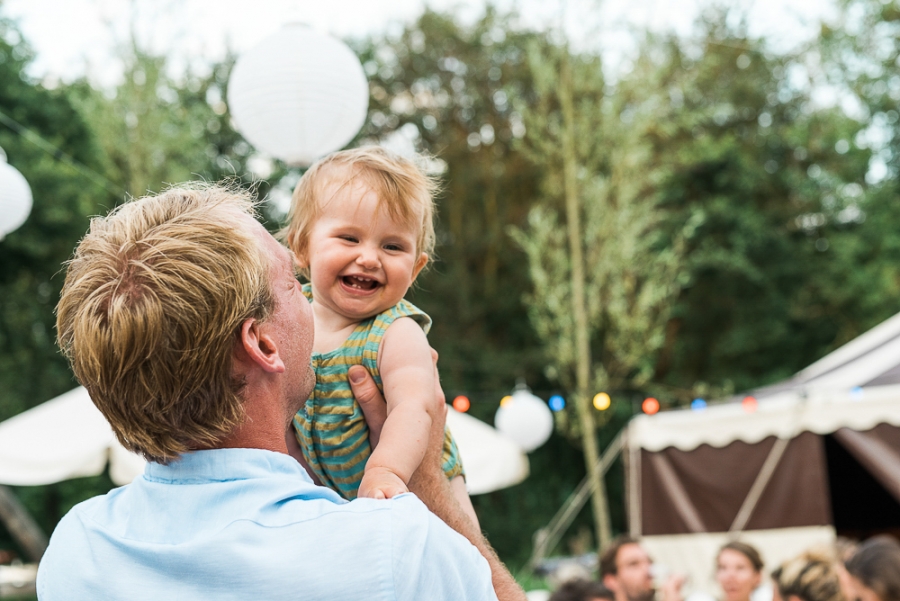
x: 856, y: 386
x: 786, y: 415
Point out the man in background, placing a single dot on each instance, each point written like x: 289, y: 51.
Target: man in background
x: 626, y: 570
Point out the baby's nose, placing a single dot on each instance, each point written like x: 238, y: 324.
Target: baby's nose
x: 368, y: 258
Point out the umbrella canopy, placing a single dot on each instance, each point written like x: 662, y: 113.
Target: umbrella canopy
x: 67, y: 437
x: 491, y: 459
x: 64, y: 438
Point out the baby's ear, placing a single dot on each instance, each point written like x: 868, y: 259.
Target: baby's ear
x: 421, y: 262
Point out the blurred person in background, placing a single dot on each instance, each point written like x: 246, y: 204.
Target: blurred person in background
x: 625, y: 569
x: 738, y: 571
x: 809, y: 577
x: 582, y: 590
x: 874, y: 570
x: 844, y: 548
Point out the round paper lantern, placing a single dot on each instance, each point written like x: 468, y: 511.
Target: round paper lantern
x: 526, y: 419
x: 298, y: 95
x: 15, y: 197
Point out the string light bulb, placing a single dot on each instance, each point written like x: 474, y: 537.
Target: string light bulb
x: 601, y: 401
x: 650, y: 406
x: 749, y: 404
x: 461, y: 403
x: 557, y: 403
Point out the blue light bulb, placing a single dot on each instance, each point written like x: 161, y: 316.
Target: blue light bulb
x: 557, y: 403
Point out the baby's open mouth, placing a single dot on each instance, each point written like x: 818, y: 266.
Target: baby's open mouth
x: 360, y: 283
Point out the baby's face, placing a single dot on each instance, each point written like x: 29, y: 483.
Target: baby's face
x: 361, y: 260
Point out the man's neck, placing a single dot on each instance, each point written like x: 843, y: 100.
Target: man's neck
x: 263, y: 426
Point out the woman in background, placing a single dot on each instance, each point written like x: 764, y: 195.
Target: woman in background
x: 875, y: 570
x: 809, y: 577
x: 738, y: 571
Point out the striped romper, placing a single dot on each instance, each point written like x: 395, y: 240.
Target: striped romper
x: 331, y: 428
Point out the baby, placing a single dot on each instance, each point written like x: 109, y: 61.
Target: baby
x: 361, y: 230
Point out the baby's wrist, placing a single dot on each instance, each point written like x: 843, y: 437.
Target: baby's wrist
x: 382, y: 470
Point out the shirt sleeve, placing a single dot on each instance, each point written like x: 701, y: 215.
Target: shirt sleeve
x: 431, y: 560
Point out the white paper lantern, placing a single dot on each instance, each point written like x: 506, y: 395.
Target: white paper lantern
x: 298, y: 95
x: 526, y: 419
x: 15, y: 197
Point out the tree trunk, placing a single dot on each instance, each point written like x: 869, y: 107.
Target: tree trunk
x: 579, y: 307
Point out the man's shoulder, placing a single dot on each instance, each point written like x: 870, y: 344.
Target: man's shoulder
x: 89, y: 509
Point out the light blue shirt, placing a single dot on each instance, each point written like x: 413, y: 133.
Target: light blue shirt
x: 246, y: 524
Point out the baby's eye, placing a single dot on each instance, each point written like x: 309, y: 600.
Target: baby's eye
x: 394, y: 247
x: 348, y: 238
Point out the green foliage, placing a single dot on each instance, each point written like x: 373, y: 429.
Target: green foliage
x: 31, y: 369
x: 155, y: 130
x: 748, y: 164
x: 631, y: 267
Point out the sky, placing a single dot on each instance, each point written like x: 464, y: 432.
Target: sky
x: 77, y: 37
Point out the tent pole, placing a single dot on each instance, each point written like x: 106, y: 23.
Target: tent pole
x: 632, y: 456
x: 768, y: 468
x: 546, y: 538
x: 21, y: 525
x: 759, y: 485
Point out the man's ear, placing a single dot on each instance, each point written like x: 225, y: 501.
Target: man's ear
x: 611, y: 582
x: 258, y: 347
x: 421, y: 262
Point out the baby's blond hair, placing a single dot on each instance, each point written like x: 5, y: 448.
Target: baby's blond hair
x: 403, y: 188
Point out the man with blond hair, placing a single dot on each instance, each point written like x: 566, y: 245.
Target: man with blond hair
x: 183, y: 318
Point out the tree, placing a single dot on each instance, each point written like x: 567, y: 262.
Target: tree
x: 47, y: 140
x: 758, y: 173
x: 155, y: 129
x: 603, y: 282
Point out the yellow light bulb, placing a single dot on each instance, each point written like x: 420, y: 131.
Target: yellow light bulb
x: 601, y: 401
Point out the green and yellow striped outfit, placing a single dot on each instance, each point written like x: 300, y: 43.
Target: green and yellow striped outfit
x: 330, y: 428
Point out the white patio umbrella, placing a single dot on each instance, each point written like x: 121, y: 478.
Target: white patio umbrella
x: 67, y: 437
x: 491, y: 459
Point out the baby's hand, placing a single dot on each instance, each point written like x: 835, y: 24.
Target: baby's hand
x: 381, y: 483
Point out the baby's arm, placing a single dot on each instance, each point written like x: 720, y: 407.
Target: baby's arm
x: 407, y: 373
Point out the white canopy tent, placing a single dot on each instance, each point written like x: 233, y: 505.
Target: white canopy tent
x: 778, y: 477
x: 67, y: 437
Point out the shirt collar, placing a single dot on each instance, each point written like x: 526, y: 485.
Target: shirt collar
x: 223, y: 465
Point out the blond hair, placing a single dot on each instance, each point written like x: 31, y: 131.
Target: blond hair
x: 402, y: 187
x: 152, y: 302
x: 812, y: 576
